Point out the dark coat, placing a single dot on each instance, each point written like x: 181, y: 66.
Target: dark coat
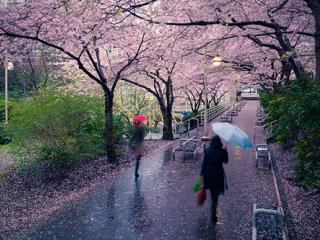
x: 212, y: 169
x: 137, y: 136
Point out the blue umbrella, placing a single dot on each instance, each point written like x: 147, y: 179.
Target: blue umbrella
x: 232, y: 134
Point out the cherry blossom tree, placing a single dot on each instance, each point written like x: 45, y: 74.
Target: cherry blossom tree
x: 83, y: 32
x: 152, y: 40
x: 130, y: 100
x: 280, y: 26
x: 193, y: 95
x: 36, y: 70
x: 162, y: 90
x: 314, y: 5
x: 160, y: 74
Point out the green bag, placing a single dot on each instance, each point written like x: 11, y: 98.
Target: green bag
x: 197, y: 184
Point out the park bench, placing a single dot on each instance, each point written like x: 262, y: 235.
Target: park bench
x: 268, y: 128
x: 260, y: 113
x: 186, y: 145
x: 259, y: 121
x: 262, y: 153
x: 259, y: 107
x: 238, y: 107
x: 225, y: 118
x: 242, y: 103
x: 273, y: 219
x: 233, y: 112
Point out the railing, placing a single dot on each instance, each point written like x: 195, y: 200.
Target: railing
x: 212, y: 113
x: 185, y: 126
x: 189, y: 145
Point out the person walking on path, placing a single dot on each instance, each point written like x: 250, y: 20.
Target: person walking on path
x: 213, y: 173
x: 136, y: 143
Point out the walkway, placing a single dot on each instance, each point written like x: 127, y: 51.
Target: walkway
x: 161, y: 205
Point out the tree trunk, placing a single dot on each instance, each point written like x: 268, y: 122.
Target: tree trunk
x: 167, y: 121
x: 317, y: 49
x: 167, y: 126
x: 316, y: 13
x: 314, y: 6
x: 110, y: 146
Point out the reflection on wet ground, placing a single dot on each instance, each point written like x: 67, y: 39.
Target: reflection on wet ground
x: 139, y: 214
x: 162, y: 205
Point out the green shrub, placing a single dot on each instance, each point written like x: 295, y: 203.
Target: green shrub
x: 120, y: 127
x: 297, y: 109
x: 308, y: 168
x: 58, y: 127
x: 4, y: 138
x: 156, y: 129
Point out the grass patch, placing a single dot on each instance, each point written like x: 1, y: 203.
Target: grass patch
x: 5, y: 147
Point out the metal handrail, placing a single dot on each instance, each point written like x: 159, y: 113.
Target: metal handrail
x: 212, y: 113
x: 188, y: 123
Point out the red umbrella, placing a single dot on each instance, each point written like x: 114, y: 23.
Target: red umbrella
x: 140, y: 118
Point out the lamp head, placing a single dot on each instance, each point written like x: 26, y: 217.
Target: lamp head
x: 216, y: 61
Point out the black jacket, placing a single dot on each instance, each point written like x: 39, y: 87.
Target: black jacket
x: 212, y: 169
x: 137, y: 136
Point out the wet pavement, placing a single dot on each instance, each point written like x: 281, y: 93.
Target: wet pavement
x: 161, y: 204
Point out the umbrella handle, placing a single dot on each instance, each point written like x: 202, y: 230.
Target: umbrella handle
x: 226, y: 146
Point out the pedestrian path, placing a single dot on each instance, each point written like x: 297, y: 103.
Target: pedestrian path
x: 161, y: 204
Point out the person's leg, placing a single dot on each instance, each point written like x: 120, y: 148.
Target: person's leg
x: 136, y: 174
x: 138, y: 158
x: 214, y: 204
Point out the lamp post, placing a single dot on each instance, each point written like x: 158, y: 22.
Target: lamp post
x: 150, y: 98
x: 6, y: 80
x: 237, y: 88
x: 216, y: 62
x: 7, y: 67
x: 6, y: 89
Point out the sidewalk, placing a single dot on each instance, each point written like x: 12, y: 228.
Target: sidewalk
x: 161, y: 205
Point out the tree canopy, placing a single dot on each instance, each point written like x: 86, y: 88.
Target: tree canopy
x: 162, y: 45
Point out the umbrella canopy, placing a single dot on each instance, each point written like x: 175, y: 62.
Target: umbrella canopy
x: 140, y: 118
x: 232, y: 134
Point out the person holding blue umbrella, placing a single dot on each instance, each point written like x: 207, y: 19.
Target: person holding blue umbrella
x: 213, y: 173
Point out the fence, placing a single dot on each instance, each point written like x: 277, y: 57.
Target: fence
x: 186, y: 126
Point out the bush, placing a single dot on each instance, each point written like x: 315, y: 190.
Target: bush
x: 120, y: 127
x: 308, y: 168
x: 297, y: 109
x: 3, y: 135
x: 61, y: 128
x: 4, y: 138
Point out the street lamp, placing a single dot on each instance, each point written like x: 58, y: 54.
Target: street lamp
x: 7, y: 67
x: 216, y: 63
x: 150, y: 99
x: 6, y: 80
